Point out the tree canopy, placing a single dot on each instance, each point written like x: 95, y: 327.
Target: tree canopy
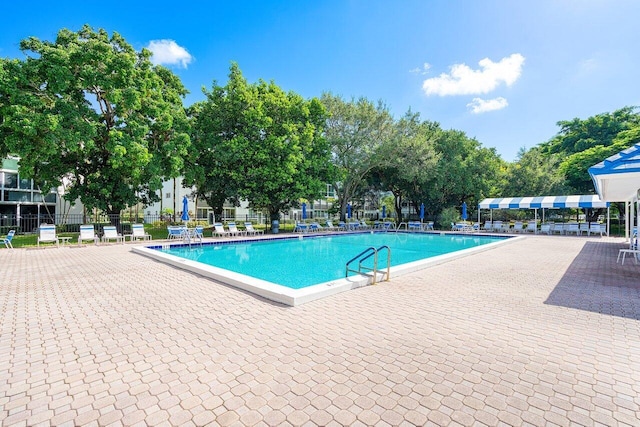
x: 89, y: 110
x: 257, y: 142
x: 355, y: 130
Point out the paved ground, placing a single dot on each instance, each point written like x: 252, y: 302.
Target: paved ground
x: 545, y: 331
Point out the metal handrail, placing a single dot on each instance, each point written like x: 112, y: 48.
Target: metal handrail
x: 365, y: 255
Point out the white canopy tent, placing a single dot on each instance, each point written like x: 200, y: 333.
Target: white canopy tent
x: 542, y: 202
x: 617, y: 179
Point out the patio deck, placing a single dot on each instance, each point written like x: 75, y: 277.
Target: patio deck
x: 543, y: 331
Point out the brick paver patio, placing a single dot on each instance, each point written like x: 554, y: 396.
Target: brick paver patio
x: 544, y: 331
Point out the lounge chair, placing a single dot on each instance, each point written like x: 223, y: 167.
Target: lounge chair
x: 7, y: 240
x: 110, y: 232
x: 518, y: 227
x: 428, y: 226
x: 301, y: 227
x: 330, y: 227
x: 175, y: 232
x: 220, y: 231
x: 546, y: 228
x: 47, y: 234
x: 594, y: 228
x: 315, y: 226
x: 584, y: 228
x: 342, y: 226
x: 497, y: 226
x: 488, y: 226
x: 137, y: 232
x: 250, y: 230
x: 414, y: 226
x: 88, y: 232
x: 532, y: 227
x: 197, y: 233
x: 233, y: 229
x: 572, y: 227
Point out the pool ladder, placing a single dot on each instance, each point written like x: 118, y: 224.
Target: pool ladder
x: 365, y: 255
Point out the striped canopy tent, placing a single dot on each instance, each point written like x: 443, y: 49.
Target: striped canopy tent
x: 542, y: 202
x: 617, y: 179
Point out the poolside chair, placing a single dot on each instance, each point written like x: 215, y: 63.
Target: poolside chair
x: 174, y: 232
x: 597, y: 228
x: 532, y: 227
x: 110, y: 232
x: 428, y: 226
x: 47, y: 234
x: 342, y: 226
x: 546, y: 228
x: 250, y: 230
x: 487, y: 226
x: 233, y: 229
x: 497, y: 226
x: 137, y: 232
x: 197, y: 233
x: 572, y: 227
x: 7, y: 240
x: 414, y: 226
x: 387, y: 225
x: 330, y: 227
x: 518, y: 227
x: 316, y: 227
x: 301, y: 227
x: 584, y: 228
x: 220, y: 231
x: 88, y: 232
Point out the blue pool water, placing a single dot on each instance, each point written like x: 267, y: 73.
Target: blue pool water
x: 298, y: 263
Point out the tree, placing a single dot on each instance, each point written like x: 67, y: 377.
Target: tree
x: 90, y: 110
x: 409, y: 161
x: 255, y: 141
x: 354, y: 130
x: 465, y: 172
x: 534, y: 174
x: 583, y: 143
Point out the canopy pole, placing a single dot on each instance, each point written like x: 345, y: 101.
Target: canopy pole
x: 535, y: 216
x: 491, y: 216
x: 626, y: 220
x: 608, y: 220
x: 478, y: 217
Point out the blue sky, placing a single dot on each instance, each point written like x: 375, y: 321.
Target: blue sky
x: 503, y: 71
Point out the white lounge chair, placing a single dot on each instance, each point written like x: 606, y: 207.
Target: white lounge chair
x: 545, y: 228
x: 233, y: 229
x: 584, y: 228
x: 597, y: 228
x: 88, y: 232
x: 518, y: 227
x: 220, y: 231
x: 572, y: 227
x: 47, y: 234
x: 110, y: 232
x: 137, y: 232
x: 250, y: 230
x: 531, y: 227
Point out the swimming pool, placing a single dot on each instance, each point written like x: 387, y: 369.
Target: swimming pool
x: 299, y: 269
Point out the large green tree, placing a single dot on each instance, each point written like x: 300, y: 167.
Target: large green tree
x: 534, y: 174
x: 355, y: 131
x: 90, y: 110
x: 466, y: 172
x: 409, y: 161
x: 257, y: 142
x: 582, y: 143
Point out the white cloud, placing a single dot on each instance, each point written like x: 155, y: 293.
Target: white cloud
x: 462, y: 80
x: 478, y: 105
x: 168, y: 52
x: 424, y: 70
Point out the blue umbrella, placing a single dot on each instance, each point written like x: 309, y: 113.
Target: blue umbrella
x: 349, y: 210
x: 464, y: 211
x: 421, y: 211
x: 304, y: 211
x: 185, y: 209
x: 384, y: 211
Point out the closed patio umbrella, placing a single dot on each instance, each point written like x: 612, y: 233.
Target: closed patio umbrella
x: 185, y: 209
x: 421, y: 212
x: 304, y: 211
x: 384, y: 211
x: 464, y: 215
x: 349, y: 210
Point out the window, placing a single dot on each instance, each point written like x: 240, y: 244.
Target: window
x: 25, y: 184
x: 10, y: 180
x: 167, y: 196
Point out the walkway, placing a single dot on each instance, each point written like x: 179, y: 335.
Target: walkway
x: 545, y: 331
